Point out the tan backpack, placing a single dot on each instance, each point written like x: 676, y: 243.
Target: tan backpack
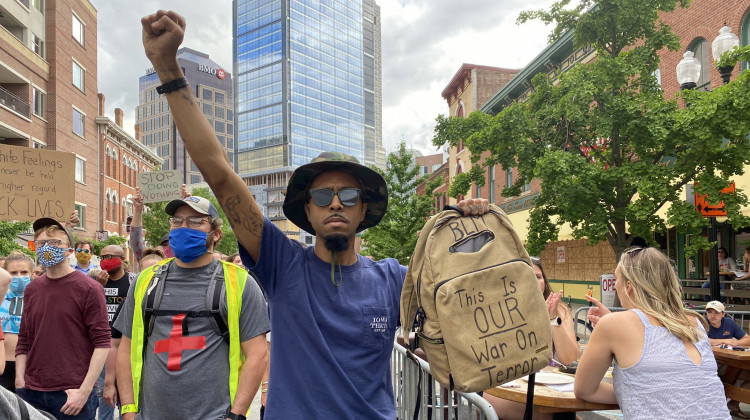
x: 480, y: 316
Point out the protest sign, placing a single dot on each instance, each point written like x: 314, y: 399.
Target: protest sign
x: 36, y: 183
x: 160, y: 185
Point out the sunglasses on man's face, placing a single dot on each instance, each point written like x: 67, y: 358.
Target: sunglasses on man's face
x: 322, y: 197
x: 83, y: 250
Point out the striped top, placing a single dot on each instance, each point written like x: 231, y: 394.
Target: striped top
x: 666, y: 384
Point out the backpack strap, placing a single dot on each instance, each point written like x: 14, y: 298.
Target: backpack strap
x: 410, y: 303
x: 213, y: 304
x: 153, y: 299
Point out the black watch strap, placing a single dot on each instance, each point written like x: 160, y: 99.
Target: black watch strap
x: 233, y: 416
x: 172, y: 85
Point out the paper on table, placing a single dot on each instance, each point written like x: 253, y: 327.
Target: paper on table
x: 740, y: 273
x: 511, y: 384
x: 562, y: 388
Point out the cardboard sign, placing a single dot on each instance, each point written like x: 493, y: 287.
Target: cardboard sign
x: 36, y: 183
x: 608, y: 289
x: 160, y: 185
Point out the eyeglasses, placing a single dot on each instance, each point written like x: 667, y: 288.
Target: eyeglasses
x: 324, y: 196
x: 83, y: 250
x: 535, y: 259
x: 109, y: 257
x: 192, y: 221
x: 53, y: 242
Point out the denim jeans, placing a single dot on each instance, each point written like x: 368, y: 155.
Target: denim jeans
x: 106, y: 411
x: 53, y: 401
x: 707, y: 285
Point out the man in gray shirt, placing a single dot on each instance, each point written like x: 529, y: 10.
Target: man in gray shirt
x: 186, y: 367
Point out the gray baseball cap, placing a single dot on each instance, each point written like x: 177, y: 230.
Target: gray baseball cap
x: 199, y: 204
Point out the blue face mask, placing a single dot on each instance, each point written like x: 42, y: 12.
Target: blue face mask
x: 17, y: 286
x: 187, y: 244
x: 49, y: 255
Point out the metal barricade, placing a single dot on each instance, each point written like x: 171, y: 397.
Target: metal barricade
x: 413, y: 384
x: 583, y: 327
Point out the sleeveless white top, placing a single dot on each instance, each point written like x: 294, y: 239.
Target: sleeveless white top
x: 666, y: 384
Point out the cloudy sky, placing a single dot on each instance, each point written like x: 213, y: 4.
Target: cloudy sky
x: 424, y: 42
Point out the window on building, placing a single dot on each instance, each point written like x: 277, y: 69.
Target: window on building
x: 38, y: 5
x: 107, y: 201
x: 78, y: 30
x: 37, y: 44
x: 208, y: 110
x: 78, y: 123
x: 702, y: 52
x: 221, y: 140
x: 148, y: 96
x: 527, y: 187
x: 477, y: 187
x: 745, y: 38
x: 230, y: 128
x: 230, y: 143
x: 79, y: 76
x: 195, y: 179
x: 219, y: 126
x: 230, y: 114
x: 219, y: 112
x: 219, y: 98
x: 80, y: 170
x: 165, y: 120
x: 113, y: 216
x: 140, y: 112
x: 81, y: 215
x: 39, y: 144
x: 157, y: 107
x: 491, y: 193
x: 39, y: 100
x: 207, y: 94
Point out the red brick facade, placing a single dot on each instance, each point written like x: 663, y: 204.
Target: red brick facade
x: 50, y: 72
x: 121, y: 158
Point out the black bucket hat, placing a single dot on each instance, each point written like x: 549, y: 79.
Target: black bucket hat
x: 375, y: 191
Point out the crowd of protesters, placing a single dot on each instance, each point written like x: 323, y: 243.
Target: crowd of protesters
x: 180, y: 330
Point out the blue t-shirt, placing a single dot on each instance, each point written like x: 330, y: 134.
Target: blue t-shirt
x: 331, y: 346
x: 728, y: 329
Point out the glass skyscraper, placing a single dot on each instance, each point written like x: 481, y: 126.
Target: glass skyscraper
x: 307, y: 81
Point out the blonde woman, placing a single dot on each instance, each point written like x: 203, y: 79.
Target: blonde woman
x: 664, y: 365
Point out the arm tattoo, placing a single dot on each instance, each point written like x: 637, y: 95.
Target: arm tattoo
x: 187, y: 97
x: 245, y: 218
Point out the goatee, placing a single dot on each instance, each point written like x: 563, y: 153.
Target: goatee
x: 336, y: 243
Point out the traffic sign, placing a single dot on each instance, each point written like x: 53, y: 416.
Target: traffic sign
x: 708, y: 210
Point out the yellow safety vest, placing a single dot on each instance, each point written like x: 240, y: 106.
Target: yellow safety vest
x: 234, y: 285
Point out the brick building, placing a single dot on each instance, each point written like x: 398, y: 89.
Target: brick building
x: 468, y: 90
x: 121, y: 158
x: 48, y: 87
x: 574, y: 264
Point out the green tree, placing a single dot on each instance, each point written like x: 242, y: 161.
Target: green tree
x: 228, y: 243
x: 111, y: 240
x: 642, y: 148
x: 155, y: 222
x: 9, y: 231
x: 396, y: 235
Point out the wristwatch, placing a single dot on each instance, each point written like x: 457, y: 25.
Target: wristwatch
x: 555, y: 322
x: 233, y: 416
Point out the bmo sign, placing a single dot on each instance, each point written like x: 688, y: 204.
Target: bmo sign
x: 608, y: 289
x: 210, y: 70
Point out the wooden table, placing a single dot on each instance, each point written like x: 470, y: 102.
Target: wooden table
x: 548, y: 400
x: 737, y: 362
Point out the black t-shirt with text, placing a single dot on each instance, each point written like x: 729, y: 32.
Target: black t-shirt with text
x: 115, y: 292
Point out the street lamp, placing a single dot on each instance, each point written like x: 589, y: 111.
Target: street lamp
x: 688, y: 71
x: 723, y: 43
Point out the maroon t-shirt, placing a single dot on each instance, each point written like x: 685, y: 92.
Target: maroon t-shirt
x: 64, y: 320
